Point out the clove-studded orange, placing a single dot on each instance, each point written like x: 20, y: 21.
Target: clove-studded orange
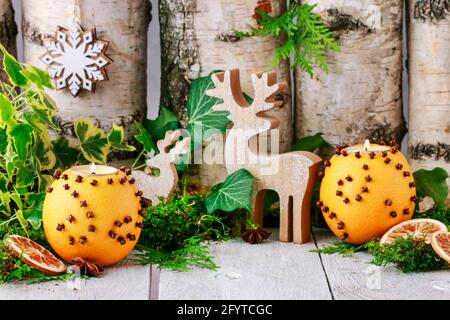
x: 364, y: 194
x: 95, y: 218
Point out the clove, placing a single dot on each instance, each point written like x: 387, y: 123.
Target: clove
x: 65, y: 177
x: 340, y: 225
x: 94, y: 182
x: 82, y: 240
x: 358, y: 198
x: 90, y: 214
x: 384, y: 154
x: 358, y: 154
x: 117, y: 223
x: 123, y: 180
x: 344, y: 153
x: 49, y: 189
x: 326, y: 209
x: 132, y: 181
x: 348, y: 178
x: 398, y: 166
x: 332, y: 215
x: 66, y: 186
x: 139, y: 193
x: 60, y: 227
x: 319, y: 203
x: 393, y: 214
x: 344, y: 236
x: 339, y: 193
x: 412, y: 184
x: 83, y: 204
x: 75, y: 194
x: 91, y: 228
x: 346, y: 200
x: 121, y: 240
x: 340, y: 182
x: 388, y: 202
x: 71, y: 218
x: 406, y: 211
x: 406, y: 173
x: 57, y: 174
x: 368, y: 178
x: 127, y: 219
x: 112, y: 234
x: 327, y: 163
x: 110, y: 181
x: 365, y: 189
x: 71, y: 241
x: 372, y: 155
x: 140, y: 224
x: 414, y: 199
x: 387, y: 160
x: 131, y: 237
x: 365, y: 167
x: 79, y: 179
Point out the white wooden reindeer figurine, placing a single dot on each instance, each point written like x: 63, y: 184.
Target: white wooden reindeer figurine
x: 156, y: 187
x: 291, y: 175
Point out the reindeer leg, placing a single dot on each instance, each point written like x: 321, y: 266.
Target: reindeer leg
x: 301, y: 219
x: 257, y: 201
x: 285, y: 219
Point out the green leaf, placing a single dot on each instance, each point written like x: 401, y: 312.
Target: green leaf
x: 6, y: 108
x: 432, y: 183
x: 115, y: 139
x: 10, y: 159
x: 16, y: 198
x: 145, y: 139
x: 93, y: 142
x: 21, y: 136
x: 66, y: 153
x: 34, y: 215
x: 203, y: 121
x: 42, y: 110
x: 3, y: 140
x: 234, y: 193
x: 167, y: 120
x: 13, y: 69
x: 3, y: 183
x: 24, y: 175
x: 38, y: 76
x: 310, y: 143
x: 21, y: 218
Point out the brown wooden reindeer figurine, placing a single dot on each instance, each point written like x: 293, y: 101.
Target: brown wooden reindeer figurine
x: 291, y: 175
x: 156, y: 187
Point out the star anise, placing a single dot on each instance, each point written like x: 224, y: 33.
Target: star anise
x: 253, y: 236
x: 86, y: 267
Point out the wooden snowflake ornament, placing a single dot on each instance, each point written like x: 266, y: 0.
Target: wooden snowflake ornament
x: 77, y: 59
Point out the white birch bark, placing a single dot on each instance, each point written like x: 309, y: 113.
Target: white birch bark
x: 197, y: 37
x: 121, y: 99
x: 8, y: 29
x: 429, y: 83
x: 360, y: 97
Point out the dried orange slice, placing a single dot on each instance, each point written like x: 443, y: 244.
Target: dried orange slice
x: 35, y: 255
x: 418, y: 228
x: 440, y: 242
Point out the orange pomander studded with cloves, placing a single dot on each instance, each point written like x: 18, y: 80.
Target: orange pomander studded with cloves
x: 363, y: 194
x: 96, y: 218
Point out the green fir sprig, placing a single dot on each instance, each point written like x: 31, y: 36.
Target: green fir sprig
x: 305, y: 36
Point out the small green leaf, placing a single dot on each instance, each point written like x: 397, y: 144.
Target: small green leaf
x: 3, y: 183
x: 34, y: 215
x: 21, y: 218
x: 93, y: 141
x: 311, y: 143
x: 167, y: 120
x: 145, y: 139
x: 24, y: 175
x: 16, y: 198
x: 66, y: 153
x: 115, y: 139
x: 203, y: 120
x: 234, y: 193
x: 3, y: 140
x: 21, y: 135
x: 6, y: 108
x: 432, y: 183
x: 13, y: 69
x: 38, y: 76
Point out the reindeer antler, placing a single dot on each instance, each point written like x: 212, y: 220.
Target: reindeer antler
x: 169, y: 139
x: 228, y: 88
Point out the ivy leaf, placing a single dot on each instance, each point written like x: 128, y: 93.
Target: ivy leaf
x: 203, y: 121
x: 34, y: 214
x: 145, y: 139
x: 21, y: 218
x: 43, y: 151
x: 38, y: 76
x: 6, y: 108
x: 93, y: 142
x: 13, y: 69
x: 311, y: 143
x: 432, y: 183
x: 115, y: 139
x: 167, y: 120
x: 3, y: 183
x: 66, y: 153
x: 234, y: 193
x: 21, y: 135
x: 3, y: 140
x: 24, y: 175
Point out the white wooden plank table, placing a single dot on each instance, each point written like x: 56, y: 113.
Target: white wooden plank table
x: 122, y: 282
x: 275, y: 270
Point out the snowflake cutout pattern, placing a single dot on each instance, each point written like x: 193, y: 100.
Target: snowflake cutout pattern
x: 77, y: 60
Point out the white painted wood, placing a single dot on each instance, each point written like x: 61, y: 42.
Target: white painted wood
x: 125, y: 281
x: 76, y: 59
x: 271, y: 270
x: 354, y: 277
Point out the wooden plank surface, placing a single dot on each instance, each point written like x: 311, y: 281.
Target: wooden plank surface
x: 122, y: 282
x: 271, y: 270
x: 355, y: 278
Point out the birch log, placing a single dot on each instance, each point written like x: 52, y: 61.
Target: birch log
x: 360, y: 97
x: 120, y: 100
x: 429, y: 81
x: 8, y: 29
x: 198, y: 37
